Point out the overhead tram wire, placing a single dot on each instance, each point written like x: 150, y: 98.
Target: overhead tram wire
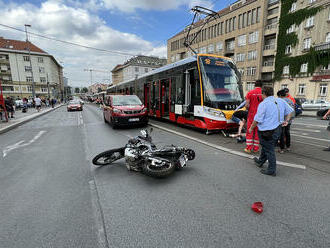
x: 71, y: 43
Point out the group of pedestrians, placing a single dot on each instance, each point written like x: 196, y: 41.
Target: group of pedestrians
x: 267, y: 121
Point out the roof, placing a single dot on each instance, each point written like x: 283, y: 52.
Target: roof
x: 19, y: 45
x: 141, y: 60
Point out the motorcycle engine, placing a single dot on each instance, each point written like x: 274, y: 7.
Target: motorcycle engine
x: 132, y: 156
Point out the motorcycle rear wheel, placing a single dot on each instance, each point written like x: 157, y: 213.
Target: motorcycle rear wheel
x: 108, y: 157
x: 163, y: 171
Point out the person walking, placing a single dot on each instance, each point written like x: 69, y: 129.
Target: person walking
x: 289, y: 96
x: 37, y: 101
x: 253, y: 99
x: 328, y: 128
x: 10, y: 106
x: 271, y: 115
x: 285, y: 138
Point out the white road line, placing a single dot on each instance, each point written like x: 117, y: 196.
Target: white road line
x: 19, y: 144
x: 308, y: 125
x: 302, y: 136
x: 310, y: 144
x: 306, y: 130
x: 226, y: 149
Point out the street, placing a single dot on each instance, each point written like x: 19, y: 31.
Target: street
x: 52, y: 195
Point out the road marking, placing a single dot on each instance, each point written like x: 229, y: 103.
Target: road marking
x: 80, y: 120
x: 310, y: 144
x: 19, y: 144
x: 302, y: 136
x: 226, y: 149
x: 308, y: 125
x: 308, y: 130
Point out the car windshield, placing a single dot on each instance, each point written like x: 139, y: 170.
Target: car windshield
x: 74, y: 102
x: 221, y: 81
x: 126, y: 100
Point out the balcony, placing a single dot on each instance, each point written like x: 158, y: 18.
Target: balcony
x: 271, y: 29
x: 7, y: 72
x: 268, y: 66
x: 229, y: 51
x: 322, y: 46
x: 273, y: 2
x: 269, y: 49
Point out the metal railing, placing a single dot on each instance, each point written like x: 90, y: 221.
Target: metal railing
x: 323, y: 46
x: 269, y: 47
x: 268, y: 63
x: 271, y: 26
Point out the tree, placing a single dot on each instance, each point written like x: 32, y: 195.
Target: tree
x: 99, y: 90
x: 76, y: 90
x: 84, y: 90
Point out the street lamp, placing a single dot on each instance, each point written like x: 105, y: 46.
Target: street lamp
x: 28, y: 44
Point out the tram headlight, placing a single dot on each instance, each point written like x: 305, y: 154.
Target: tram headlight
x: 215, y: 113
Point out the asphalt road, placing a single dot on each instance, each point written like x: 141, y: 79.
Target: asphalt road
x: 51, y: 195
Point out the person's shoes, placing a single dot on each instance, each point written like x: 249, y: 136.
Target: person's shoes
x: 281, y: 151
x: 257, y: 162
x: 247, y: 150
x: 266, y: 172
x: 288, y: 149
x: 327, y: 149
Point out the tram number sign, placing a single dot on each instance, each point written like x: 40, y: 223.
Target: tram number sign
x: 216, y: 62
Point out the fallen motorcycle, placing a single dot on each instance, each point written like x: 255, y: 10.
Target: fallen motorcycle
x: 141, y: 154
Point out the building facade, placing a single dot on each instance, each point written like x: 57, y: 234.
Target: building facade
x: 17, y: 75
x: 303, y: 59
x: 97, y: 88
x: 135, y: 67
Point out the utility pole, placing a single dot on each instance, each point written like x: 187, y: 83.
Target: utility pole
x: 48, y: 86
x: 28, y: 44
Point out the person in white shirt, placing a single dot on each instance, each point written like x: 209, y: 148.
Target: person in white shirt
x: 37, y: 101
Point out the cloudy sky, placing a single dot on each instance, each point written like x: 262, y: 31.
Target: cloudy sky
x: 128, y: 26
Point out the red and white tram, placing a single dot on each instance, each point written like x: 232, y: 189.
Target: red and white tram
x: 200, y: 91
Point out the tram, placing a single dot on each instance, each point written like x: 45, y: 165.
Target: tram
x: 201, y: 91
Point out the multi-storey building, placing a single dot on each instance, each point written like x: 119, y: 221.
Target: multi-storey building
x: 135, y: 67
x: 303, y: 50
x: 16, y: 73
x: 245, y: 31
x: 97, y: 88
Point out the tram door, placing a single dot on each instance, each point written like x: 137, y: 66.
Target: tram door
x: 165, y: 97
x: 147, y: 96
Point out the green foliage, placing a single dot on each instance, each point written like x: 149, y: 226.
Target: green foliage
x: 84, y: 90
x: 314, y: 58
x: 76, y: 90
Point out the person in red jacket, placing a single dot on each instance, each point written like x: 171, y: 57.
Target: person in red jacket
x: 289, y: 96
x: 253, y: 99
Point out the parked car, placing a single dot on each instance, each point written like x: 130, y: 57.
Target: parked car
x: 74, y: 105
x: 124, y: 110
x: 322, y: 112
x: 315, y: 104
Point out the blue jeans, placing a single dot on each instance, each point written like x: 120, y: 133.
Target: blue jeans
x: 268, y: 149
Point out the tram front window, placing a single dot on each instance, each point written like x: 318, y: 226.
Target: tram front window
x: 220, y: 81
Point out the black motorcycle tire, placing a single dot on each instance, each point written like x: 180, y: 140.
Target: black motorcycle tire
x: 159, y: 172
x: 191, y: 154
x: 106, y: 156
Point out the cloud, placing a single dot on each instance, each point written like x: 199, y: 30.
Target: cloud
x: 161, y: 5
x: 78, y: 25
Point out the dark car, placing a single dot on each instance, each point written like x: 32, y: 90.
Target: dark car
x: 322, y: 112
x: 124, y: 110
x: 74, y: 105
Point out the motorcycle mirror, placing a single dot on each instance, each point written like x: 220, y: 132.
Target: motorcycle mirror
x: 144, y: 133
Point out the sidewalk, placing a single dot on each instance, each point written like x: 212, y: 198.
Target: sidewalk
x: 309, y: 113
x: 21, y: 118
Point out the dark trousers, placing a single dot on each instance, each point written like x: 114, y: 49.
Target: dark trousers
x: 285, y: 138
x: 268, y: 149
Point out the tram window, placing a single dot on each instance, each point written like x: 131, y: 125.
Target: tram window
x: 195, y: 88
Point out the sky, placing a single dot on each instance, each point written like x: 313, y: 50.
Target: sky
x: 131, y: 27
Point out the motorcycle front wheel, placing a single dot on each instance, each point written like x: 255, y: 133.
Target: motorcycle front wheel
x: 158, y: 172
x: 108, y: 157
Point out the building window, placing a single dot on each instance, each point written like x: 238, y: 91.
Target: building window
x: 273, y: 11
x: 27, y: 68
x: 304, y: 67
x: 288, y: 49
x: 240, y: 21
x: 211, y: 48
x: 323, y: 89
x: 29, y: 88
x: 240, y: 57
x: 249, y: 18
x: 293, y: 7
x: 203, y: 49
x: 307, y: 43
x: 327, y: 37
x: 40, y: 60
x: 249, y: 86
x: 312, y: 1
x: 219, y: 46
x: 252, y: 55
x: 26, y: 58
x: 42, y: 80
x: 253, y: 37
x: 241, y: 40
x: 172, y: 59
x: 241, y: 71
x: 244, y: 20
x: 44, y: 90
x: 250, y: 71
x: 136, y: 69
x: 254, y: 16
x: 42, y: 69
x: 230, y: 45
x: 28, y: 79
x: 145, y: 69
x: 284, y: 86
x: 258, y: 14
x: 286, y: 70
x: 310, y: 22
x: 301, y: 89
x: 291, y: 29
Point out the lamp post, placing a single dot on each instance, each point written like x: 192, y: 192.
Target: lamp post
x: 28, y: 44
x: 48, y: 87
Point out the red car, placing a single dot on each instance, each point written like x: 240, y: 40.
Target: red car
x: 124, y: 110
x: 74, y: 105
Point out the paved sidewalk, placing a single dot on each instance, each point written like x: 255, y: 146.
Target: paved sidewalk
x: 20, y: 118
x: 310, y: 113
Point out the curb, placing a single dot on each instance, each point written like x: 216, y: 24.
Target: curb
x: 27, y: 119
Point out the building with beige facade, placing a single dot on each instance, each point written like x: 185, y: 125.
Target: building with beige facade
x: 97, y: 88
x: 304, y: 66
x: 16, y: 73
x: 245, y: 31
